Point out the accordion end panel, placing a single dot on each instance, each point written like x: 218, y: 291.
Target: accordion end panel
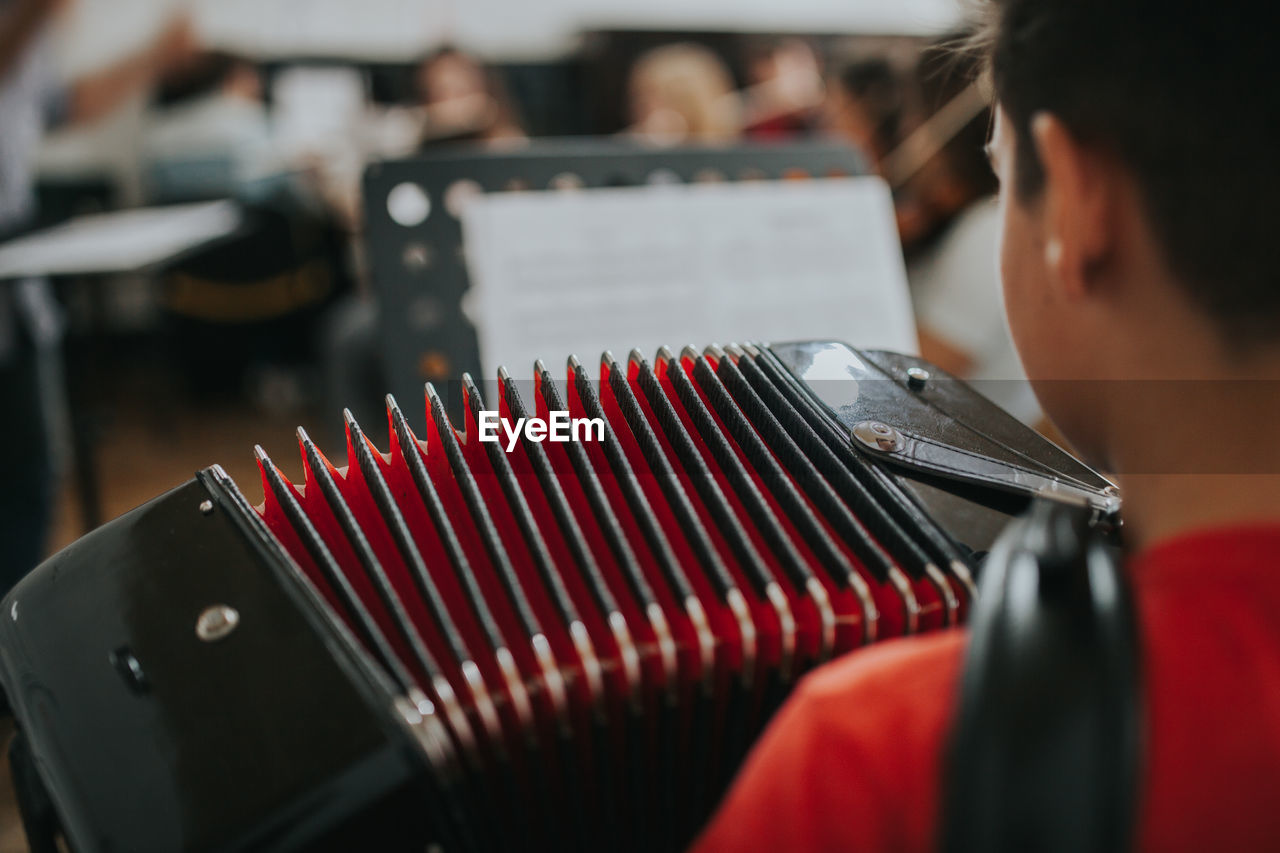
x: 176, y: 689
x: 513, y: 643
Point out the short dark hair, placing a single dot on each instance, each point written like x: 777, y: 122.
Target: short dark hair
x: 1185, y: 95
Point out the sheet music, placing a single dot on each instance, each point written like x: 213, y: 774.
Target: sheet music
x: 604, y: 269
x: 123, y: 241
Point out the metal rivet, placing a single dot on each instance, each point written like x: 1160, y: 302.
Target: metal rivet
x: 408, y: 204
x: 459, y: 193
x: 417, y: 257
x: 877, y: 436
x: 206, y: 507
x: 566, y: 181
x: 126, y: 663
x: 424, y: 314
x: 217, y: 622
x: 916, y: 378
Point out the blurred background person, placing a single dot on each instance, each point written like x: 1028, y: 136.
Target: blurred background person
x: 457, y: 101
x: 785, y: 91
x: 683, y: 93
x: 464, y: 100
x: 939, y: 167
x: 209, y: 129
x: 949, y: 224
x: 865, y: 106
x: 31, y: 98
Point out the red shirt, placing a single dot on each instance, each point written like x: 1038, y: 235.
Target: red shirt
x: 853, y: 760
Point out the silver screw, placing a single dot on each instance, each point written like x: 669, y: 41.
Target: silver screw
x: 206, y: 507
x: 216, y: 622
x: 878, y: 436
x: 916, y: 378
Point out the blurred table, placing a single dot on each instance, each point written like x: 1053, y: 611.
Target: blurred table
x: 89, y: 248
x: 118, y: 242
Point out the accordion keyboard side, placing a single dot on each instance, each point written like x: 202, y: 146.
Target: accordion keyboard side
x: 970, y: 464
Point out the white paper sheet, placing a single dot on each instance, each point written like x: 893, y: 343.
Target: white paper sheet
x: 582, y: 272
x: 118, y: 242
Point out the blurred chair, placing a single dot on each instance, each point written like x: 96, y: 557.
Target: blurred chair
x: 253, y: 301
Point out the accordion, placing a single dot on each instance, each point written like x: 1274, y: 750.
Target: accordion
x: 559, y: 622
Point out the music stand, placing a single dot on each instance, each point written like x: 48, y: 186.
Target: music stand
x: 417, y: 266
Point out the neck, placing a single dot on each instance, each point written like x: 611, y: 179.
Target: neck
x: 1161, y: 506
x: 1199, y: 449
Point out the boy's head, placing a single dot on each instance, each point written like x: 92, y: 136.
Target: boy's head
x: 1137, y: 143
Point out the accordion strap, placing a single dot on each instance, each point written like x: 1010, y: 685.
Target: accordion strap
x: 1046, y: 746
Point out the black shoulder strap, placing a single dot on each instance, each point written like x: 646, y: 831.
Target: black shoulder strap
x: 1046, y: 746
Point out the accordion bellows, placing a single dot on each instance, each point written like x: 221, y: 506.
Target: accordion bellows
x: 514, y: 644
x: 578, y: 618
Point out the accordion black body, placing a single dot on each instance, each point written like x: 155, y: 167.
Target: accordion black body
x: 509, y: 645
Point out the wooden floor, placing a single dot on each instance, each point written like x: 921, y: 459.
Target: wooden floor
x: 11, y: 838
x: 148, y: 445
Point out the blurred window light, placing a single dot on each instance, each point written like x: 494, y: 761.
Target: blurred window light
x: 399, y: 30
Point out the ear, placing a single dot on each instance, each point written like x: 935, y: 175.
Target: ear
x: 1079, y: 204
